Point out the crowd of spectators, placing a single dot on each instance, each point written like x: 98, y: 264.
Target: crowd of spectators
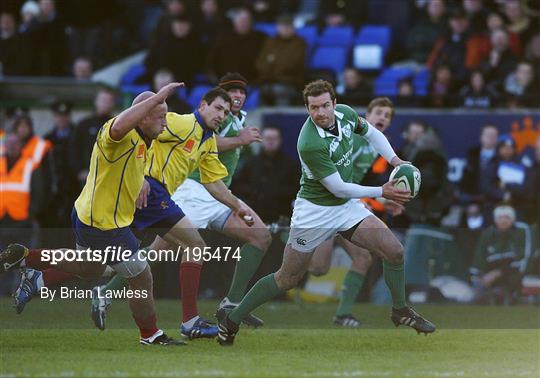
x: 480, y: 54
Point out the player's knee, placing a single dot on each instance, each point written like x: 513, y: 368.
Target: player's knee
x: 362, y: 260
x: 318, y: 270
x: 260, y: 239
x: 287, y: 281
x: 395, y: 254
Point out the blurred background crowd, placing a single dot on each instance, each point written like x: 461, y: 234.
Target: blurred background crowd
x: 480, y: 227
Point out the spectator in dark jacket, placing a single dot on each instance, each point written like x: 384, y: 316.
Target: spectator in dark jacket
x: 236, y: 51
x: 84, y: 135
x: 269, y: 181
x: 423, y: 35
x: 477, y: 95
x: 280, y: 65
x: 478, y: 159
x: 177, y: 50
x: 505, y: 177
x: 174, y: 102
x: 65, y: 188
x: 355, y: 91
x: 502, y: 60
x: 14, y: 49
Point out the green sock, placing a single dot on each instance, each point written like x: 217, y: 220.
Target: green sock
x: 394, y: 276
x: 117, y: 282
x: 352, y: 284
x: 250, y: 259
x: 264, y: 290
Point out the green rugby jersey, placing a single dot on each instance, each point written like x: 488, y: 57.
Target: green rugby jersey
x: 229, y: 128
x: 322, y: 154
x: 363, y: 158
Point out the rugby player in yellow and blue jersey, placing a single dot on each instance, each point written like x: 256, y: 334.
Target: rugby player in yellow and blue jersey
x: 188, y: 143
x: 105, y: 209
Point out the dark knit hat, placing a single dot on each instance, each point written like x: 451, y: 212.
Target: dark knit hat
x: 232, y: 80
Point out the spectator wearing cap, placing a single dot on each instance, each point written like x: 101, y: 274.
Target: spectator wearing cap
x: 502, y: 255
x: 177, y: 50
x: 280, y: 65
x: 236, y: 51
x: 65, y: 188
x: 505, y: 177
x: 84, y: 135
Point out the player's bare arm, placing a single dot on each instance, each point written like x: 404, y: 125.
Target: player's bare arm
x: 219, y: 191
x: 129, y: 118
x: 246, y: 136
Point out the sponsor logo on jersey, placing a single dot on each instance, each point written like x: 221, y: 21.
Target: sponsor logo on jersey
x: 347, y: 130
x: 333, y: 146
x: 189, y: 145
x: 141, y: 152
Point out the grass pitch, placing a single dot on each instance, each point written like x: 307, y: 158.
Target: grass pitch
x: 57, y: 340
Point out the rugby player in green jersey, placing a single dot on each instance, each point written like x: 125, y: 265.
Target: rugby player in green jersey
x: 327, y: 204
x: 380, y: 112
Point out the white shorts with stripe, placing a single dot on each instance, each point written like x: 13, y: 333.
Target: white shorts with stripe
x: 312, y: 225
x: 203, y: 210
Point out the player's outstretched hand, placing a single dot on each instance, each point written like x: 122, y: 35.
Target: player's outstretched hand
x: 167, y: 90
x: 392, y: 193
x: 244, y: 212
x: 142, y: 200
x: 249, y: 135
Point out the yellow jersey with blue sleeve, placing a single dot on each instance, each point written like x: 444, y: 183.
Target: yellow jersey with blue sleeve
x: 115, y: 178
x: 185, y: 145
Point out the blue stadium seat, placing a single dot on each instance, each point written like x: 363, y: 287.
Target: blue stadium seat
x: 196, y: 95
x: 368, y: 57
x: 336, y: 36
x: 309, y: 34
x: 132, y: 74
x: 267, y: 28
x: 387, y: 82
x: 374, y: 35
x: 421, y: 82
x: 253, y: 99
x: 330, y: 58
x: 134, y: 89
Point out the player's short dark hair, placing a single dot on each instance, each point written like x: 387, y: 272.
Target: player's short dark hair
x: 214, y: 93
x: 317, y: 88
x: 382, y: 102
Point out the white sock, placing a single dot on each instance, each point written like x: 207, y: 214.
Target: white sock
x: 154, y: 336
x: 191, y: 322
x: 227, y: 302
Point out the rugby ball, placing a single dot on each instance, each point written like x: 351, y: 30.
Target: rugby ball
x: 408, y: 178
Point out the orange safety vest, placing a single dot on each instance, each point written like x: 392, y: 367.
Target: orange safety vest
x: 15, y: 184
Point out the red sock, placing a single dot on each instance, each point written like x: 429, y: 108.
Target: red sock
x: 147, y: 326
x: 190, y: 275
x: 53, y: 277
x: 34, y: 261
